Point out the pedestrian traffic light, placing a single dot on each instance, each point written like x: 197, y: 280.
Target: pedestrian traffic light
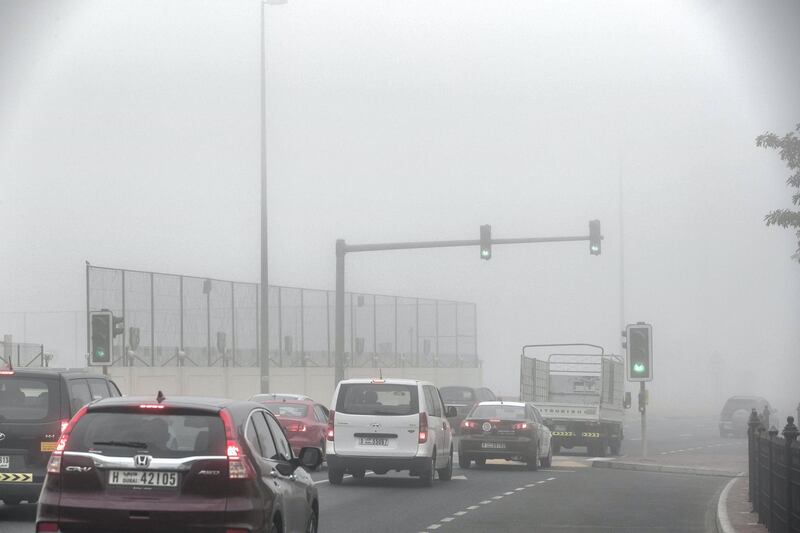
x: 486, y: 242
x: 595, y: 238
x: 640, y: 352
x: 101, y: 333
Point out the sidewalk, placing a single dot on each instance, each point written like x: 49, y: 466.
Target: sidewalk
x: 733, y: 511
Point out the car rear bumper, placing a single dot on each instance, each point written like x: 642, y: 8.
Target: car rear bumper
x: 513, y: 447
x: 350, y: 463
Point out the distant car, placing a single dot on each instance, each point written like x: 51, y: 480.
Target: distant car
x: 464, y: 399
x: 389, y: 424
x: 35, y: 406
x: 304, y: 422
x: 178, y: 464
x: 505, y: 430
x: 736, y: 412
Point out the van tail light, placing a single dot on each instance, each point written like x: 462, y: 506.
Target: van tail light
x: 329, y: 433
x: 47, y: 527
x: 54, y: 463
x: 423, y: 428
x: 521, y: 426
x: 239, y: 466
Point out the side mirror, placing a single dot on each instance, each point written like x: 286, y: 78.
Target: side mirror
x: 626, y: 403
x: 310, y: 458
x: 451, y: 412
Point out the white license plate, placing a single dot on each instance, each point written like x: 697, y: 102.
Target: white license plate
x: 373, y: 441
x: 5, y: 461
x: 494, y: 445
x: 136, y: 478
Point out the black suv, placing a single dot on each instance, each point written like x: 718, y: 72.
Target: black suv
x: 35, y: 406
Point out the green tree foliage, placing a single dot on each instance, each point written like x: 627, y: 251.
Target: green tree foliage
x: 788, y: 148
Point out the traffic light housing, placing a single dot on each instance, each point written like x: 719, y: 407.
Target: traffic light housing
x: 101, y: 333
x: 486, y: 242
x: 595, y: 238
x: 640, y: 352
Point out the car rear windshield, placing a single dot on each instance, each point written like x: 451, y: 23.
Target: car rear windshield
x: 28, y: 399
x: 499, y: 412
x: 128, y: 434
x: 377, y: 399
x: 457, y: 394
x: 288, y: 410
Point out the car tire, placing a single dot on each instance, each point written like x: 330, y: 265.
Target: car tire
x: 446, y: 473
x: 464, y: 460
x: 532, y: 462
x: 547, y: 462
x: 335, y: 476
x: 430, y: 472
x: 313, y: 523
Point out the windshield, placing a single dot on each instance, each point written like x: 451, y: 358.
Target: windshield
x: 457, y: 394
x: 286, y: 409
x: 499, y: 412
x: 129, y: 434
x: 28, y: 399
x: 377, y: 399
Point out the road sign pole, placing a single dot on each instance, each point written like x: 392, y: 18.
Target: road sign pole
x: 643, y: 409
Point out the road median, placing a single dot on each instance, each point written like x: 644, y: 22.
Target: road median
x: 647, y: 466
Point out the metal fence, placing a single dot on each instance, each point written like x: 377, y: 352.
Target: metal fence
x: 186, y: 320
x: 774, y: 465
x: 23, y: 354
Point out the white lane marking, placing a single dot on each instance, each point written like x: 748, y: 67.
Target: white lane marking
x: 459, y: 477
x: 519, y: 488
x: 472, y: 507
x: 486, y: 502
x: 529, y: 485
x: 497, y: 497
x: 509, y: 493
x: 434, y: 526
x: 448, y: 519
x: 461, y: 513
x: 542, y: 481
x: 550, y: 479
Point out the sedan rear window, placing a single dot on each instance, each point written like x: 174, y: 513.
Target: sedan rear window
x: 28, y: 399
x: 499, y: 412
x: 127, y: 434
x: 377, y: 399
x: 288, y: 410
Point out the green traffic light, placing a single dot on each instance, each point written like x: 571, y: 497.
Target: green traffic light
x: 100, y: 353
x: 485, y: 253
x: 638, y: 368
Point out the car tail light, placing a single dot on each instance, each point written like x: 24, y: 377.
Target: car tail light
x: 329, y: 432
x: 238, y: 465
x: 54, y: 463
x: 468, y: 425
x: 521, y: 426
x: 6, y: 372
x: 423, y: 428
x: 64, y: 424
x: 296, y: 427
x: 47, y: 527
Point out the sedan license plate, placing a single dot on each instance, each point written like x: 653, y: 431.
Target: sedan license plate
x: 5, y: 462
x: 373, y: 441
x: 494, y: 445
x: 135, y: 478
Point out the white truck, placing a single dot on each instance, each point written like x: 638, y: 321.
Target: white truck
x: 581, y: 398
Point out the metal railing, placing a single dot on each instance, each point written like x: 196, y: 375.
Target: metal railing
x: 23, y: 355
x: 774, y: 467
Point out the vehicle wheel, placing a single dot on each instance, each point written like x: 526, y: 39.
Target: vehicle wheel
x: 446, y: 473
x: 533, y: 460
x: 480, y: 462
x: 427, y: 476
x: 335, y: 476
x: 463, y: 460
x: 616, y: 446
x: 556, y: 449
x: 359, y: 474
x: 313, y: 523
x: 11, y: 501
x: 547, y: 462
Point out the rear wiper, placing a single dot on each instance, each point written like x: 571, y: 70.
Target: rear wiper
x: 123, y: 443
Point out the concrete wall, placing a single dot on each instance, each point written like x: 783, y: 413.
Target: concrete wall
x: 241, y: 383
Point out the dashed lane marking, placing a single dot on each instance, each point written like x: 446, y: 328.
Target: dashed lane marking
x: 509, y: 493
x: 472, y: 507
x: 529, y: 485
x: 448, y: 519
x: 486, y: 502
x: 460, y: 513
x: 550, y: 479
x: 434, y: 526
x: 497, y: 497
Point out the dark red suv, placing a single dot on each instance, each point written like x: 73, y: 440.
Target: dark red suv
x: 177, y: 465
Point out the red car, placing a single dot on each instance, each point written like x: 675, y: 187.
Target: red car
x: 304, y: 420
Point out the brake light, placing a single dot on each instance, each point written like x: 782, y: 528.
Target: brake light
x: 296, y: 427
x: 468, y: 424
x: 520, y: 426
x: 151, y: 406
x: 6, y: 372
x: 238, y: 465
x: 54, y: 463
x: 47, y: 527
x: 423, y: 428
x: 329, y: 432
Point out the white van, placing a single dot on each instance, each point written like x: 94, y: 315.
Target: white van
x: 388, y: 424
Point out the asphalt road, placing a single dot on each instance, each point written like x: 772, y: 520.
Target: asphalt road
x: 502, y: 496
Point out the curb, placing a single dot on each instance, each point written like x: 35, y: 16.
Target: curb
x: 723, y: 522
x: 665, y: 469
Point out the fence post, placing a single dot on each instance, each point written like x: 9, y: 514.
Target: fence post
x: 773, y: 432
x: 752, y: 455
x: 790, y: 436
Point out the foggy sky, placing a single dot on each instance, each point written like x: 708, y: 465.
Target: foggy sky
x: 129, y: 137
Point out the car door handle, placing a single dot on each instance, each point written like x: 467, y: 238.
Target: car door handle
x: 275, y: 474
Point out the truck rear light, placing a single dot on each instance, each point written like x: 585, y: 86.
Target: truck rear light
x: 47, y: 527
x: 329, y: 433
x: 54, y: 463
x: 423, y: 428
x: 239, y: 466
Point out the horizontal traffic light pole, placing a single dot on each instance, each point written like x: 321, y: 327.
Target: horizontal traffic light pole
x: 351, y: 248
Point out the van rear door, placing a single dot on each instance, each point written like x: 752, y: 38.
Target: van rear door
x: 377, y: 419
